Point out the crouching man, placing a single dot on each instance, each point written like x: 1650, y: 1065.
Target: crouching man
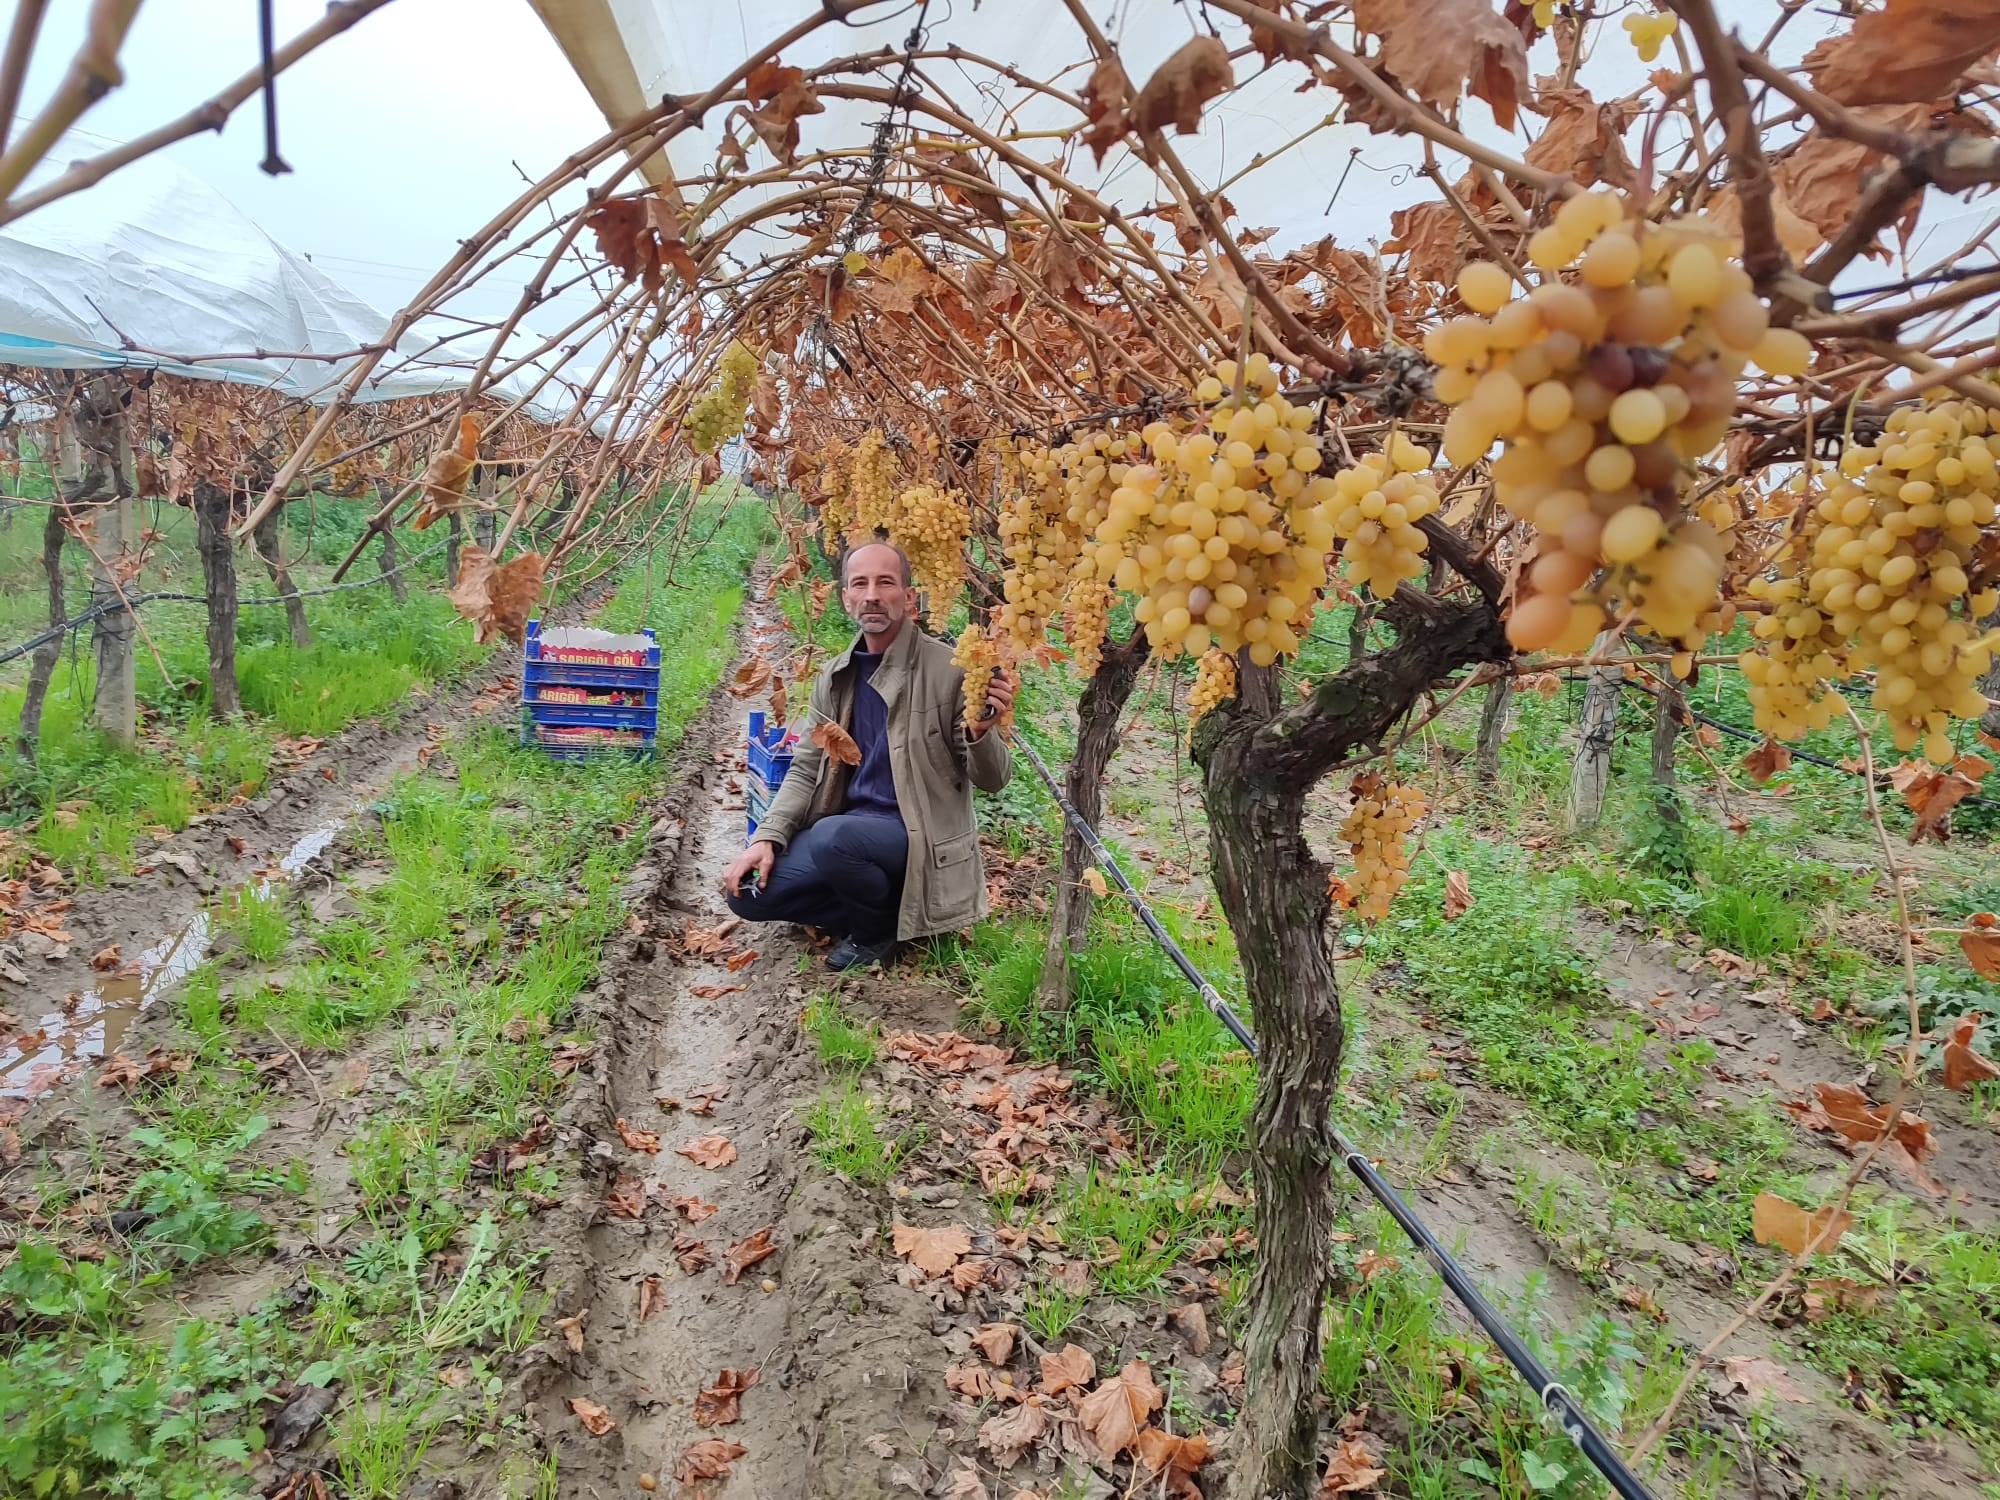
x: 885, y: 851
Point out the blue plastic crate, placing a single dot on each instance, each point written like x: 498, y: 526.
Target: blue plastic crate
x: 575, y: 715
x: 768, y: 754
x: 550, y: 741
x: 756, y: 805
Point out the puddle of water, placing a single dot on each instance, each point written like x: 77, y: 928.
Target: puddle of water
x: 94, y: 1027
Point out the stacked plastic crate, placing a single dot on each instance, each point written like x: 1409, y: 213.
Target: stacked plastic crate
x: 769, y: 757
x: 590, y: 694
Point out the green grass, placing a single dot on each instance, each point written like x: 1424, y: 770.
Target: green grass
x: 503, y: 878
x: 842, y: 1044
x: 847, y: 1137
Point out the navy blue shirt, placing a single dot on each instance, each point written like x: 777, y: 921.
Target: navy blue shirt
x: 872, y: 787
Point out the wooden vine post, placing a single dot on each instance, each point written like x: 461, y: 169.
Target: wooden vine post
x: 102, y: 494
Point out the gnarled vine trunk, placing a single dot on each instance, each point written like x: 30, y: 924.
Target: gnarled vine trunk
x: 1669, y: 708
x: 213, y: 513
x: 1493, y: 729
x: 1104, y: 697
x: 454, y: 535
x: 271, y: 548
x: 1590, y: 775
x: 392, y: 567
x: 1259, y: 760
x: 42, y: 665
x: 104, y: 493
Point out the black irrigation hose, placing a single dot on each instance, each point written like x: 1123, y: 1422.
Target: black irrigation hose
x: 1554, y: 1396
x: 1754, y: 738
x: 168, y: 596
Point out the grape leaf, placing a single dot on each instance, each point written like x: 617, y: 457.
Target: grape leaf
x: 1176, y: 92
x: 721, y: 1404
x: 1781, y: 1222
x: 1010, y: 1436
x: 710, y: 1151
x: 1350, y: 1470
x: 596, y: 1420
x: 1442, y: 48
x: 1763, y: 1379
x: 746, y: 1253
x: 1908, y: 52
x: 1962, y: 1066
x: 996, y: 1341
x: 1767, y: 760
x: 638, y: 1140
x: 708, y: 1459
x: 1113, y: 1413
x: 837, y: 742
x: 1073, y: 1367
x: 933, y: 1251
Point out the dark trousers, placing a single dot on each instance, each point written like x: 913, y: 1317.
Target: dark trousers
x: 843, y: 874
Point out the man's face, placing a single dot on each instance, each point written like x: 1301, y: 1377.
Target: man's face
x: 875, y: 595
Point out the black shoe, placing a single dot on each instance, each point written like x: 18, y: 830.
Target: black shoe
x: 848, y: 954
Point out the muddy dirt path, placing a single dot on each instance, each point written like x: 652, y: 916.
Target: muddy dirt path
x: 726, y: 1248
x: 68, y: 1012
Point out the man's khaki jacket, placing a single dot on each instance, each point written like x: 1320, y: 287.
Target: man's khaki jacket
x: 944, y: 884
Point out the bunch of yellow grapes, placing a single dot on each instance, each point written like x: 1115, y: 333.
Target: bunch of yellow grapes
x: 871, y: 483
x: 1381, y: 500
x: 1603, y: 390
x: 1086, y: 618
x: 1887, y: 573
x: 718, y: 415
x: 836, y: 492
x: 1039, y: 543
x: 976, y: 655
x: 1224, y: 535
x: 1214, y: 684
x: 1648, y: 29
x: 929, y: 524
x: 1378, y: 833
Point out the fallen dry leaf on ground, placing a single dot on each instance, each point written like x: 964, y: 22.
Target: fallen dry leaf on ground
x: 1113, y: 1413
x: 1763, y: 1379
x: 711, y: 1151
x: 106, y: 959
x: 933, y: 1251
x: 628, y: 1197
x: 996, y: 1341
x: 713, y: 991
x: 596, y: 1420
x: 693, y: 1254
x: 709, y: 1458
x: 1191, y: 1323
x: 1073, y: 1367
x: 1962, y: 1066
x: 744, y: 1254
x: 638, y: 1140
x: 1163, y: 1452
x: 651, y: 1297
x: 721, y: 1404
x: 691, y: 1208
x: 1009, y: 1436
x: 1350, y: 1470
x: 572, y: 1330
x: 737, y: 962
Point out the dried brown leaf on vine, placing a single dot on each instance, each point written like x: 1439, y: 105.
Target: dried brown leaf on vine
x: 1583, y: 140
x: 1767, y: 760
x: 1457, y: 894
x: 1093, y: 881
x: 836, y: 742
x: 1980, y: 943
x: 623, y: 237
x: 1176, y: 92
x: 782, y: 95
x: 751, y: 676
x: 1443, y: 48
x: 1822, y: 178
x: 1274, y: 45
x: 1931, y: 794
x: 1781, y: 1222
x: 670, y: 244
x: 1964, y: 1067
x: 1908, y: 52
x: 498, y: 600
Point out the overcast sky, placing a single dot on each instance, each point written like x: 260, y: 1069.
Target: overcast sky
x: 403, y: 134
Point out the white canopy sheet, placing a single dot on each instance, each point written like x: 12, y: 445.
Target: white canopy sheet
x: 153, y: 269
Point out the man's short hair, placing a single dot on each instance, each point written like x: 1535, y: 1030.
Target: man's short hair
x: 879, y: 541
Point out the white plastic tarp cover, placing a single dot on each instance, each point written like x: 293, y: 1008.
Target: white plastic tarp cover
x: 153, y: 257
